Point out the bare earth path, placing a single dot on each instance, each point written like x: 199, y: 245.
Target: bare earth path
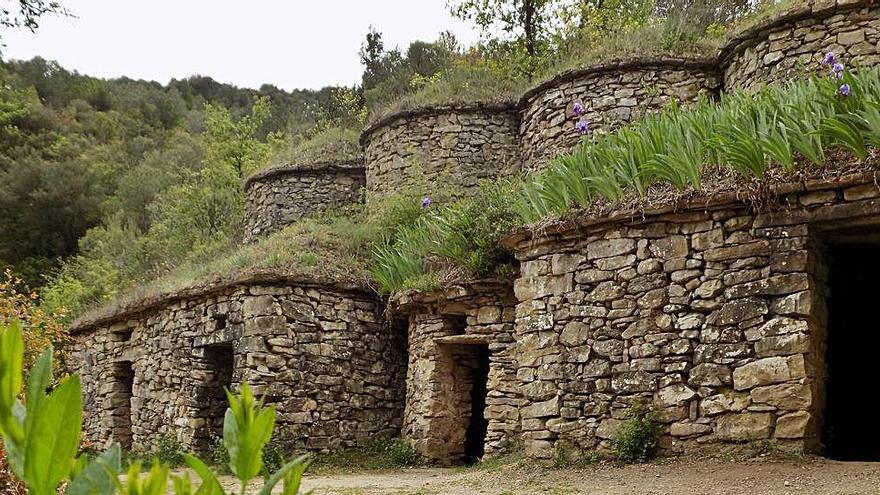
x: 675, y: 477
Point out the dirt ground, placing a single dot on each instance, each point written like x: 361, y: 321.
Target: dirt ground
x: 673, y: 477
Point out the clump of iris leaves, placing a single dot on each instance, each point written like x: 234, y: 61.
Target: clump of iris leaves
x: 795, y: 125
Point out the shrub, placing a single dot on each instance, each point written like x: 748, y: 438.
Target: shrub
x: 273, y: 459
x: 41, y: 328
x: 464, y: 233
x: 401, y: 452
x: 168, y: 450
x: 636, y: 439
x: 335, y: 143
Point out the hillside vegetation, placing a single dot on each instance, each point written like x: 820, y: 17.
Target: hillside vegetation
x: 110, y: 186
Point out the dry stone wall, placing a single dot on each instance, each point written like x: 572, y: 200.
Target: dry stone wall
x: 451, y: 148
x: 320, y: 355
x: 446, y: 331
x: 795, y: 41
x: 611, y: 95
x: 279, y: 196
x: 461, y: 145
x: 716, y: 317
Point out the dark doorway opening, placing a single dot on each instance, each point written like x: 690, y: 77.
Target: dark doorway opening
x: 848, y: 430
x: 219, y: 363
x: 475, y: 436
x: 123, y: 390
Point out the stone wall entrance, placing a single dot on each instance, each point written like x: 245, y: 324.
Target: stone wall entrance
x: 459, y: 422
x: 123, y: 389
x: 217, y: 363
x: 475, y: 436
x: 852, y: 341
x: 461, y: 398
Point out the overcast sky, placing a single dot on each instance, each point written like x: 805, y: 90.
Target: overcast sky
x: 291, y: 44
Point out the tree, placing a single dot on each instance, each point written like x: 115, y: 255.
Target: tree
x: 28, y: 13
x: 372, y: 58
x: 235, y: 143
x: 526, y: 24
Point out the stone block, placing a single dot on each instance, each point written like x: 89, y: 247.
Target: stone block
x: 789, y: 396
x: 543, y: 409
x: 744, y: 427
x: 794, y: 425
x: 769, y: 371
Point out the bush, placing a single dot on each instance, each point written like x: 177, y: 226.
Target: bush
x: 636, y: 439
x: 401, y: 452
x: 273, y: 458
x: 464, y: 234
x: 168, y: 450
x: 42, y: 328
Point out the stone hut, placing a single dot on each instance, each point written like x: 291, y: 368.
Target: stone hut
x: 462, y: 398
x: 612, y: 95
x: 281, y: 195
x: 453, y: 147
x: 734, y: 322
x: 317, y: 350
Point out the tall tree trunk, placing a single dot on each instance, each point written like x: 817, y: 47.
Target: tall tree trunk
x: 530, y: 20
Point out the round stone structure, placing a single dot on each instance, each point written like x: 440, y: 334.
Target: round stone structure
x: 611, y: 94
x: 795, y: 41
x: 279, y: 196
x: 317, y: 351
x: 720, y: 315
x: 450, y: 147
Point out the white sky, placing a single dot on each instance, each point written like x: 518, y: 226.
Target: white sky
x: 291, y: 44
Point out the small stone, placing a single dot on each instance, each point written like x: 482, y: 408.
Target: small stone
x: 793, y: 425
x: 609, y: 248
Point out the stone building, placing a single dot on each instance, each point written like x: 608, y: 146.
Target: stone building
x: 737, y: 317
x: 318, y: 351
x: 281, y: 195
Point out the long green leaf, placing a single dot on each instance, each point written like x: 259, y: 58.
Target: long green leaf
x: 53, y: 438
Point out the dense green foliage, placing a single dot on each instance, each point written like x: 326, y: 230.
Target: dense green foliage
x: 463, y: 233
x: 57, y: 415
x: 780, y: 127
x: 123, y: 179
x: 636, y: 438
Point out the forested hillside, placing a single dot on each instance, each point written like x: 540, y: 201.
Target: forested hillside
x: 119, y: 156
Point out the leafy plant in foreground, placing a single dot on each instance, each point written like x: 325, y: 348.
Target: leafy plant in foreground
x: 42, y: 437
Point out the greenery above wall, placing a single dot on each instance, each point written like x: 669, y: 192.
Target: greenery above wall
x: 799, y: 127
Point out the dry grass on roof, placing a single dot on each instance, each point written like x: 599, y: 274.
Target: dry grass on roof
x: 321, y: 251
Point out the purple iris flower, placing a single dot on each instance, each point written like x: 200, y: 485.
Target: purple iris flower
x: 582, y: 127
x: 837, y: 70
x: 426, y: 202
x: 829, y: 58
x: 844, y: 89
x: 577, y: 108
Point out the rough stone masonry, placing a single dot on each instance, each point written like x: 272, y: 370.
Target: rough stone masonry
x: 715, y: 315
